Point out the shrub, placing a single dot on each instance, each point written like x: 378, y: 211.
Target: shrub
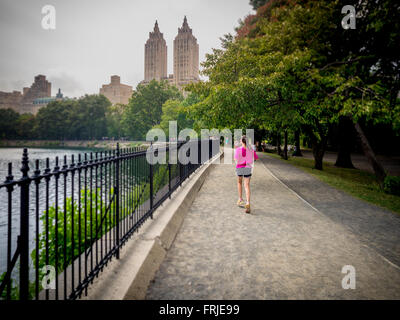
x: 392, y: 185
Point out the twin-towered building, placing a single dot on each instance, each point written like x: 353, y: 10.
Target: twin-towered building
x: 155, y: 56
x: 186, y: 70
x: 186, y: 57
x: 186, y: 63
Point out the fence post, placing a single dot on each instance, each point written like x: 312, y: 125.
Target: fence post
x: 180, y: 166
x: 117, y: 200
x: 23, y: 239
x: 169, y: 171
x: 199, y: 153
x: 209, y: 148
x: 151, y: 180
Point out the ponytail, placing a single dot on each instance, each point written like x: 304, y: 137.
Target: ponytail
x: 244, y: 140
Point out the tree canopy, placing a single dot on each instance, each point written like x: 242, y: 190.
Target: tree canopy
x: 93, y: 117
x: 298, y: 68
x: 80, y: 119
x: 144, y: 110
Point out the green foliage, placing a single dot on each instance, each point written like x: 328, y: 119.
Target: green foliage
x: 25, y: 125
x: 8, y: 123
x: 53, y: 121
x: 392, y: 185
x: 16, y: 126
x: 299, y: 69
x: 93, y: 117
x: 92, y: 111
x: 177, y: 110
x: 80, y: 119
x: 257, y: 3
x: 144, y: 110
x: 114, y: 118
x: 81, y: 219
x: 85, y: 219
x: 14, y: 289
x: 14, y: 292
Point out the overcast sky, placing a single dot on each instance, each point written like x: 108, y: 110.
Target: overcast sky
x: 95, y: 39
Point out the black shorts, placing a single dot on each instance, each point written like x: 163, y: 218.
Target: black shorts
x: 244, y: 172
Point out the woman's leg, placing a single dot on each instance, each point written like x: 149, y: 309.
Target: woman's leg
x: 247, y: 188
x: 240, y: 187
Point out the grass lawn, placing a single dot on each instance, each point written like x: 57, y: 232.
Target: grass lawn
x: 358, y: 183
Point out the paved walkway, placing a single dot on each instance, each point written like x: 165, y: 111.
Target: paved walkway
x: 374, y: 226
x: 285, y: 249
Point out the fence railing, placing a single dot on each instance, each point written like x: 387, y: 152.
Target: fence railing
x: 65, y: 223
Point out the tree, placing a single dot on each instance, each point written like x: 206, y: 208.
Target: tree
x: 378, y: 168
x: 92, y: 110
x: 8, y: 123
x: 297, y: 151
x: 373, y: 49
x: 52, y: 121
x: 261, y: 81
x: 144, y: 109
x: 25, y: 125
x: 299, y: 69
x: 179, y: 111
x: 346, y: 142
x: 257, y: 3
x: 80, y: 119
x: 114, y: 118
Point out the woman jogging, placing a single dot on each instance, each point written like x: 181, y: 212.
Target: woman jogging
x: 244, y: 158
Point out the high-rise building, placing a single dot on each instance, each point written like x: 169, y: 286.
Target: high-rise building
x: 116, y: 92
x: 186, y: 56
x: 32, y: 98
x: 40, y: 88
x: 155, y: 56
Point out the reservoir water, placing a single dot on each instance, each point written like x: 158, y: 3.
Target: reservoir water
x: 14, y: 156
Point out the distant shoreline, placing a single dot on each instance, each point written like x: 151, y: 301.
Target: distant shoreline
x: 96, y: 144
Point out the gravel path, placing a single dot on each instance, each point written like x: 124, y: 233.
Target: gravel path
x: 284, y: 250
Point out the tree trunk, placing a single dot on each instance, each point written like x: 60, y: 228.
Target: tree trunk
x: 345, y: 135
x: 278, y: 144
x: 369, y: 153
x: 285, y: 156
x: 318, y: 148
x: 297, y: 151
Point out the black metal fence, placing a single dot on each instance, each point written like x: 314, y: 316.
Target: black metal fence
x: 67, y: 222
